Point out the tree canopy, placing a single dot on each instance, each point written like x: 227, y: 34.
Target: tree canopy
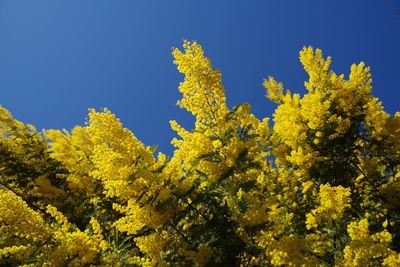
x: 320, y: 186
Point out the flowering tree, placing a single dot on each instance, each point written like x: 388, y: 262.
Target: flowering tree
x: 319, y: 187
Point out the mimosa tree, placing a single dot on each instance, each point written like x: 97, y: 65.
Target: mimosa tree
x: 318, y: 187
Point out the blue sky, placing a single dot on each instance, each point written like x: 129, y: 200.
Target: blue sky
x: 59, y: 58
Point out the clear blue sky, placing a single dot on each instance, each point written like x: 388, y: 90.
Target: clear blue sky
x: 59, y: 58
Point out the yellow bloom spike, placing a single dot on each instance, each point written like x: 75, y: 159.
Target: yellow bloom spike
x: 203, y: 93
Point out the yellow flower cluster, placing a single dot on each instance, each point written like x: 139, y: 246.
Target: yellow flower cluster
x: 18, y: 220
x: 333, y: 202
x: 365, y: 249
x: 203, y: 93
